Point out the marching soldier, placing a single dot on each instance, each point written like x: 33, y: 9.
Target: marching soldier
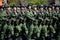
x: 4, y: 19
x: 30, y: 19
x: 35, y: 22
x: 47, y: 21
x: 54, y: 16
x: 15, y: 22
x: 18, y: 22
x: 58, y: 23
x: 55, y: 19
x: 10, y: 28
x: 42, y: 16
x: 50, y: 26
x: 23, y: 22
x: 1, y: 34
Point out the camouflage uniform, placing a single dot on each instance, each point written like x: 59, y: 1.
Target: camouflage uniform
x: 30, y: 19
x: 42, y: 26
x: 10, y: 27
x: 35, y: 22
x: 23, y: 22
x: 50, y: 26
x: 58, y: 22
x: 3, y: 17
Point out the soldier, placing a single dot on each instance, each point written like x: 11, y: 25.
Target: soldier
x: 23, y: 22
x: 46, y: 7
x: 50, y: 26
x: 1, y: 34
x: 40, y: 20
x: 26, y: 7
x: 10, y: 27
x: 4, y: 19
x: 0, y: 20
x: 15, y: 20
x: 42, y: 26
x: 35, y: 22
x: 30, y: 20
x: 19, y: 15
x: 55, y: 18
x: 58, y: 23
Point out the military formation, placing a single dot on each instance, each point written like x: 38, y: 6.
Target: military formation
x: 38, y: 22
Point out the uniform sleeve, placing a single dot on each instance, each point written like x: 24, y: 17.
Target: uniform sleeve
x: 29, y: 15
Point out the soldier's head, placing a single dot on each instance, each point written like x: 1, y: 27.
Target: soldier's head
x: 1, y: 8
x: 22, y: 7
x: 57, y: 7
x: 29, y: 6
x: 9, y: 8
x: 50, y: 8
x: 14, y: 8
x: 25, y: 7
x: 53, y: 7
x: 41, y: 7
x: 46, y: 7
x: 18, y: 8
x: 35, y: 7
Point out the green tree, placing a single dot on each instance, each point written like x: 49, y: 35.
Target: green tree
x: 13, y: 1
x: 59, y: 1
x: 27, y: 1
x: 38, y: 2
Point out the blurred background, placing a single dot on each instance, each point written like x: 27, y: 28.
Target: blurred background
x: 11, y: 2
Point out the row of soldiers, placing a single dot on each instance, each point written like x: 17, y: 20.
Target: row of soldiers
x: 30, y: 22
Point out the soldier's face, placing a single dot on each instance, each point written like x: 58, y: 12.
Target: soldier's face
x: 53, y: 7
x: 35, y: 8
x: 57, y: 8
x: 29, y: 7
x: 18, y: 8
x: 1, y: 9
x: 14, y: 8
x: 9, y: 8
x: 42, y: 8
x: 25, y: 8
x: 50, y: 9
x: 22, y: 8
x: 46, y: 8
